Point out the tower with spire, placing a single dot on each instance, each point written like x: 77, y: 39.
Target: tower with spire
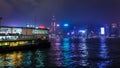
x: 53, y: 25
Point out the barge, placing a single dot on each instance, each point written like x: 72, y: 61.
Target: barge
x: 13, y: 38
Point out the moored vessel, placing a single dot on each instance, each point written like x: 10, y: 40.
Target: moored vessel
x: 23, y: 37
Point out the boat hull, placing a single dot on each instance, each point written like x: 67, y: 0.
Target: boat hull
x: 39, y: 44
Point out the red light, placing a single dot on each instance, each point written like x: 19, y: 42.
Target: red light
x: 42, y: 26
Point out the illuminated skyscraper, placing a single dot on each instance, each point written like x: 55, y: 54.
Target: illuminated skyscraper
x: 107, y: 30
x: 102, y: 30
x: 55, y: 29
x: 53, y: 25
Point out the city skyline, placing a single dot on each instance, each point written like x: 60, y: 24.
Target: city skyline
x: 17, y: 13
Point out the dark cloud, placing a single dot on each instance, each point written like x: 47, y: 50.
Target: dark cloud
x: 73, y: 11
x: 5, y: 8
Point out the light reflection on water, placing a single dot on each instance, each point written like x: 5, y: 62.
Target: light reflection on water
x: 63, y: 53
x: 103, y: 54
x: 12, y: 59
x: 22, y: 59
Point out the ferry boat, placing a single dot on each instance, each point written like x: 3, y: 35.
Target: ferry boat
x: 23, y: 37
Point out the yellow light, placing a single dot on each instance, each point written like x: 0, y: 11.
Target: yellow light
x: 6, y: 43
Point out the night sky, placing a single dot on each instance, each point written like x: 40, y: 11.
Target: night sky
x: 20, y: 12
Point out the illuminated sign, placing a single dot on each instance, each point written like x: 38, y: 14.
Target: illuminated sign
x: 102, y: 29
x: 82, y: 31
x: 66, y: 25
x: 42, y: 26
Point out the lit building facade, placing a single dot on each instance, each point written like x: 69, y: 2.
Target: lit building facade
x: 114, y: 30
x: 15, y: 36
x: 53, y: 25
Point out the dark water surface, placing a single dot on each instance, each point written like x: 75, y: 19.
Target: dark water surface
x: 64, y: 53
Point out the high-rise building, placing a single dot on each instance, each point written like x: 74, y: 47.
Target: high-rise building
x: 107, y: 30
x: 53, y: 25
x: 119, y: 28
x: 55, y: 28
x: 114, y: 30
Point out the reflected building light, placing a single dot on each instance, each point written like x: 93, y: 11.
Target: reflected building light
x: 103, y: 64
x: 104, y: 55
x: 26, y: 62
x: 65, y: 39
x: 10, y: 59
x: 19, y: 57
x: 73, y: 47
x: 66, y: 46
x: 102, y: 40
x: 58, y: 40
x: 58, y: 44
x: 56, y: 53
x: 83, y: 40
x: 84, y: 62
x: 55, y: 45
x: 83, y: 46
x: 38, y: 59
x: 103, y: 51
x: 83, y: 54
x: 67, y: 59
x: 57, y: 63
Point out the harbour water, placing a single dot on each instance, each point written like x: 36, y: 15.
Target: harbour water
x: 64, y: 53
